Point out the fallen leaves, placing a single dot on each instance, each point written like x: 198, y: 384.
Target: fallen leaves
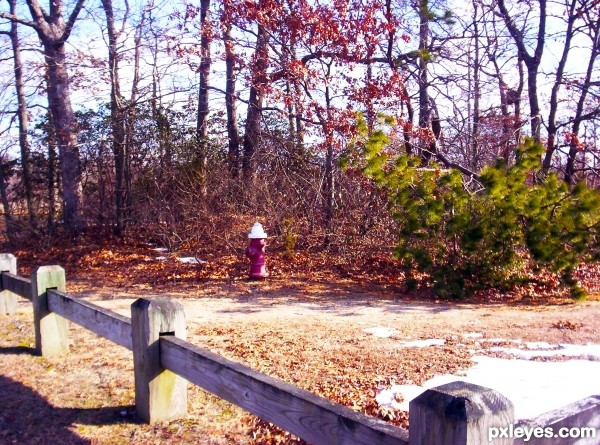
x: 566, y: 324
x: 333, y: 361
x: 132, y: 263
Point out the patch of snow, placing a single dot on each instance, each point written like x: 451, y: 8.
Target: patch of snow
x: 472, y: 334
x: 160, y: 249
x: 190, y: 260
x: 533, y: 387
x: 423, y: 343
x: 539, y: 345
x: 499, y: 340
x: 161, y: 258
x: 589, y: 352
x: 387, y: 398
x: 380, y: 331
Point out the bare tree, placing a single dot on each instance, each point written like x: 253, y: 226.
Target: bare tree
x: 510, y: 122
x: 572, y: 15
x: 592, y: 18
x: 22, y: 114
x: 255, y: 102
x: 532, y: 60
x: 233, y: 152
x: 53, y: 31
x: 205, y: 62
x: 117, y: 116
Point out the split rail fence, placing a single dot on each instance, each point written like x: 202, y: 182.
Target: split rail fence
x: 458, y: 413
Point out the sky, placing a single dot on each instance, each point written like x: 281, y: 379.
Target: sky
x: 90, y: 87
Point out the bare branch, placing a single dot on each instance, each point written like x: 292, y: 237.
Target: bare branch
x: 14, y: 18
x: 72, y: 18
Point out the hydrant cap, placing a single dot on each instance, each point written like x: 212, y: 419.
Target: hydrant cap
x: 257, y: 231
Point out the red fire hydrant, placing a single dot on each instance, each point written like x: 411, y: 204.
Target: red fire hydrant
x: 256, y: 251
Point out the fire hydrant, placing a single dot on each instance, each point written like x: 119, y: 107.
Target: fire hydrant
x: 256, y: 251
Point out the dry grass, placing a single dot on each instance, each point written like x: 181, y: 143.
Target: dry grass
x: 87, y: 397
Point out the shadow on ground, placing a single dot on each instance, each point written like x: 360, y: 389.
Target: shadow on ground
x: 27, y: 418
x: 15, y: 350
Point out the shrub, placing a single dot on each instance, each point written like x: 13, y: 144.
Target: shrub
x: 464, y: 239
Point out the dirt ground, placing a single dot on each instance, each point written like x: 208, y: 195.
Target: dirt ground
x: 307, y: 333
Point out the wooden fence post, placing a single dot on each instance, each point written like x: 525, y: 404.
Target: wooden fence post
x: 159, y: 394
x: 51, y: 332
x: 8, y: 300
x: 460, y: 413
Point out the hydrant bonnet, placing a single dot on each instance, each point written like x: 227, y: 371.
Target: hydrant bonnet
x: 257, y: 232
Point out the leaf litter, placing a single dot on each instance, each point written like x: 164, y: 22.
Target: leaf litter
x: 304, y: 325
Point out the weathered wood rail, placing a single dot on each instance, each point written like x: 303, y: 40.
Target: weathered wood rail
x: 458, y: 413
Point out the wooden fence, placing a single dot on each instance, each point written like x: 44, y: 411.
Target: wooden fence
x: 458, y: 413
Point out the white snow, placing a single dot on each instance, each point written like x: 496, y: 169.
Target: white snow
x: 422, y: 343
x: 472, y: 334
x: 380, y: 331
x: 498, y: 340
x: 190, y: 260
x: 589, y: 352
x: 538, y: 345
x: 534, y: 387
x: 185, y: 260
x: 386, y: 397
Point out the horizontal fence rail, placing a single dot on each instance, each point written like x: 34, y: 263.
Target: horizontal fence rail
x: 101, y: 321
x: 17, y: 285
x: 314, y: 418
x: 454, y: 414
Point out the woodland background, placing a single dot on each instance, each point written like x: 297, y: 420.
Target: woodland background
x: 181, y: 123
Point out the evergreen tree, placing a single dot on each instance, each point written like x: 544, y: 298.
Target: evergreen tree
x: 467, y: 240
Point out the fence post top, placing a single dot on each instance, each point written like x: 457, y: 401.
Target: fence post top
x: 165, y: 311
x: 463, y: 400
x: 48, y: 269
x: 8, y: 263
x: 163, y: 304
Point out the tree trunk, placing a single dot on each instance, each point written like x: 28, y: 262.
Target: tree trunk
x: 233, y: 134
x: 574, y: 146
x: 51, y: 175
x: 131, y: 115
x: 299, y: 142
x: 329, y: 173
x: 205, y: 62
x: 558, y: 80
x: 8, y: 219
x: 22, y: 116
x: 161, y: 119
x: 532, y: 61
x: 423, y: 81
x: 474, y: 145
x: 117, y: 118
x: 53, y: 32
x: 506, y: 146
x: 254, y: 117
x: 519, y: 92
x: 66, y: 134
x: 534, y: 105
